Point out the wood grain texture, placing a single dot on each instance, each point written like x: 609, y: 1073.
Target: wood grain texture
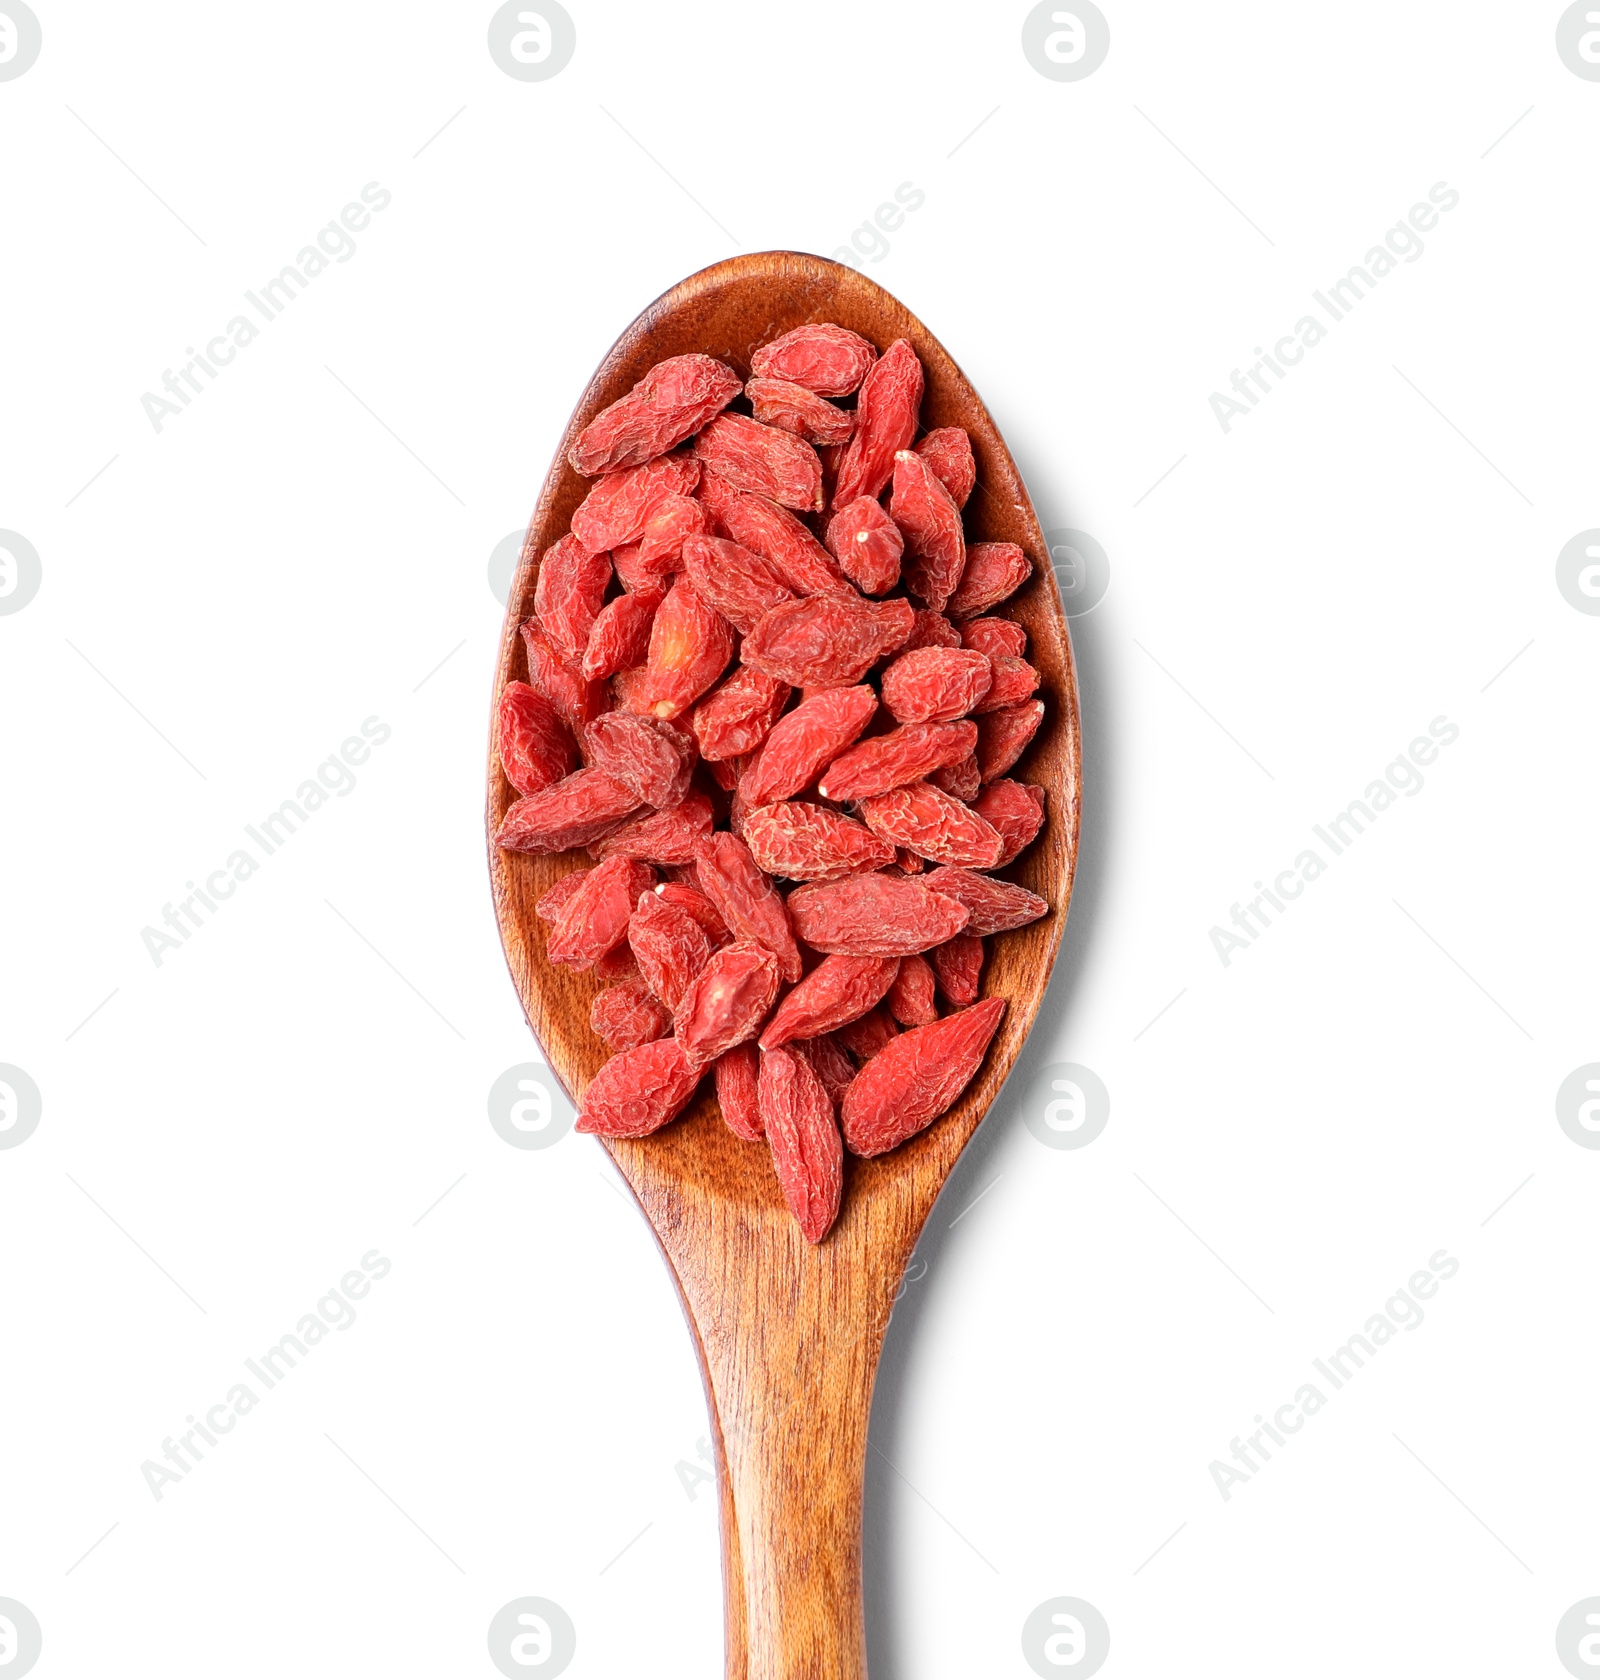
x: 788, y: 1335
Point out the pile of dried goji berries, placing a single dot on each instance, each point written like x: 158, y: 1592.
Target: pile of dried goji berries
x: 708, y: 730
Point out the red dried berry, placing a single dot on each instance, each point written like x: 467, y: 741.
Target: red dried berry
x: 865, y: 1037
x: 619, y: 506
x: 826, y: 641
x: 762, y: 461
x: 627, y: 1016
x: 1003, y: 736
x: 886, y: 422
x: 958, y: 964
x: 961, y: 780
x: 572, y: 812
x: 1015, y: 810
x: 536, y: 747
x: 875, y: 916
x: 835, y: 1069
x: 668, y: 944
x: 620, y: 636
x: 883, y: 762
x: 727, y: 1000
x: 734, y: 580
x: 993, y: 571
x: 639, y: 1091
x: 838, y: 990
x: 675, y: 519
x: 652, y: 758
x: 553, y: 900
x: 634, y: 575
x: 931, y: 630
x: 736, y: 1072
x: 997, y: 637
x: 561, y: 682
x: 571, y: 585
x: 992, y: 906
x: 867, y: 544
x: 911, y: 1082
x: 807, y: 1154
x: 595, y: 918
x: 745, y: 899
x: 807, y: 740
x: 684, y: 896
x: 933, y: 825
x: 736, y: 717
x: 1014, y: 681
x: 908, y: 863
x: 910, y: 998
x: 827, y: 359
x: 948, y: 450
x: 802, y: 842
x: 673, y: 401
x: 935, y: 684
x: 930, y: 522
x: 665, y: 837
x: 775, y: 534
x: 792, y: 408
x: 690, y: 646
x: 617, y: 966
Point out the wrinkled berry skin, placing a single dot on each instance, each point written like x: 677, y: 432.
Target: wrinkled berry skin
x: 672, y: 402
x: 727, y: 1000
x: 797, y: 1115
x: 639, y: 1091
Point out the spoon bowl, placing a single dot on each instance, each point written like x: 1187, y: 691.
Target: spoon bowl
x: 788, y: 1335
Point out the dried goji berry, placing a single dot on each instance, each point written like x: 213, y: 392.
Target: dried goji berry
x: 762, y: 461
x: 837, y: 990
x: 665, y: 837
x: 619, y: 506
x: 865, y: 1037
x: 998, y: 637
x: 876, y: 915
x: 634, y: 575
x: 735, y: 1072
x: 807, y: 1155
x: 948, y: 450
x: 867, y: 544
x: 560, y: 681
x: 536, y: 747
x: 1015, y: 810
x: 617, y: 965
x: 835, y: 1069
x: 553, y: 900
x: 745, y: 899
x: 620, y: 635
x: 931, y: 629
x: 775, y: 534
x: 685, y: 896
x: 726, y: 1002
x: 886, y: 422
x: 910, y: 998
x: 571, y: 585
x: 690, y: 646
x: 802, y: 842
x: 883, y: 762
x: 993, y: 571
x: 737, y: 716
x: 911, y: 1082
x: 674, y: 519
x: 572, y: 812
x: 668, y: 944
x: 1014, y: 681
x: 826, y: 641
x: 908, y: 863
x: 627, y: 1016
x: 1003, y: 736
x: 639, y: 1091
x: 807, y: 740
x: 992, y: 906
x: 734, y: 580
x: 595, y: 918
x: 933, y: 825
x: 827, y: 359
x: 958, y: 963
x: 960, y: 780
x: 935, y: 684
x: 652, y: 758
x: 792, y: 408
x: 930, y: 522
x: 673, y: 401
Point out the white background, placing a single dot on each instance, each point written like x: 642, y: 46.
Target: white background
x: 230, y: 597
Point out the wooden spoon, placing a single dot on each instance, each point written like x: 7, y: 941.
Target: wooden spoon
x: 789, y: 1335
